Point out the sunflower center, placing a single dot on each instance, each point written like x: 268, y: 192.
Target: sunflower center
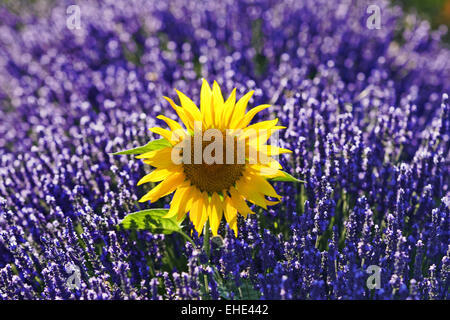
x: 214, y: 177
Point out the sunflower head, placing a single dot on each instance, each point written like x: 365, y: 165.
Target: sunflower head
x: 216, y: 161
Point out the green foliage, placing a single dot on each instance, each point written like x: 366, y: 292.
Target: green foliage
x: 287, y: 178
x: 151, y: 146
x: 152, y: 220
x: 245, y: 290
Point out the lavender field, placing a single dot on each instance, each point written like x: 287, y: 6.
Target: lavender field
x: 367, y: 116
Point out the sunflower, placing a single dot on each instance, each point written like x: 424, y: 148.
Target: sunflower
x: 208, y: 190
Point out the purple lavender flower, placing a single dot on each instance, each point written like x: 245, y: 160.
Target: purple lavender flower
x: 367, y: 116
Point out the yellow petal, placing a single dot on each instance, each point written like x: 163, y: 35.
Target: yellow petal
x: 230, y: 214
x: 263, y: 186
x: 189, y: 106
x: 257, y: 154
x: 258, y: 137
x: 161, y: 158
x: 216, y: 213
x: 160, y: 162
x: 274, y: 164
x: 156, y: 175
x: 164, y: 188
x: 247, y: 189
x: 206, y: 104
x: 173, y: 125
x: 270, y: 150
x: 205, y: 213
x: 272, y: 203
x: 217, y: 93
x: 196, y: 210
x: 229, y: 109
x: 263, y: 125
x: 186, y: 202
x: 239, y: 203
x: 177, y: 201
x: 164, y: 133
x: 155, y: 153
x: 217, y: 105
x: 185, y: 117
x: 158, y: 158
x: 265, y: 170
x: 239, y: 110
x: 251, y: 114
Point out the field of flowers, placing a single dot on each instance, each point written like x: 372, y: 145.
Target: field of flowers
x: 367, y: 116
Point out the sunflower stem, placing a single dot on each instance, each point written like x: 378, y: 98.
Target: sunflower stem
x: 206, y: 237
x: 185, y: 236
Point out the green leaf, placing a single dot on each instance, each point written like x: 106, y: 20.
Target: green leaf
x: 151, y: 146
x: 245, y: 290
x: 152, y: 220
x: 287, y: 178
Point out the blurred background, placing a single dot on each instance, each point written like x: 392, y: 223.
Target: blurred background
x: 436, y: 11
